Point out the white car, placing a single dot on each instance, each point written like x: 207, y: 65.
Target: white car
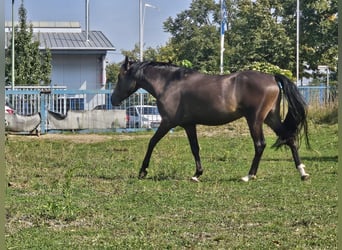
x: 143, y: 116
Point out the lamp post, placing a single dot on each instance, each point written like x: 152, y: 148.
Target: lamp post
x: 87, y: 19
x: 141, y: 27
x: 297, y: 44
x: 13, y: 79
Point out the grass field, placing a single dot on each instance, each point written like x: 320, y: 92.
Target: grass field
x: 82, y: 192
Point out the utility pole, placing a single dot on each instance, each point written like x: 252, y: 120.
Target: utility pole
x: 222, y: 30
x: 141, y: 31
x: 87, y: 20
x: 13, y: 47
x: 142, y: 9
x: 297, y: 43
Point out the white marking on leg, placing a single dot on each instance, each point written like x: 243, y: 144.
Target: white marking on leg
x: 194, y: 179
x: 247, y: 178
x: 302, y: 170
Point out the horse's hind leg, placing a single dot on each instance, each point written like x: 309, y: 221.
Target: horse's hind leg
x: 257, y: 134
x: 159, y: 134
x: 284, y: 137
x: 192, y: 137
x: 300, y: 166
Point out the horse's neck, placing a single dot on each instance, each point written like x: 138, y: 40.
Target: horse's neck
x: 152, y: 86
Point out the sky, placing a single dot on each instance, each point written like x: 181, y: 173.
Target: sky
x: 117, y: 19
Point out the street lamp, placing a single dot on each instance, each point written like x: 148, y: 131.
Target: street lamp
x: 13, y: 79
x: 297, y: 43
x: 141, y: 26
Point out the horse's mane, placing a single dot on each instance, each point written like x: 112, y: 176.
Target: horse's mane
x: 137, y: 68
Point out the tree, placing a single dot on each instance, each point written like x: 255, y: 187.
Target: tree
x: 114, y: 68
x: 112, y: 71
x: 194, y: 35
x: 318, y: 32
x: 32, y: 66
x: 150, y: 54
x: 257, y: 35
x: 269, y: 68
x: 258, y: 31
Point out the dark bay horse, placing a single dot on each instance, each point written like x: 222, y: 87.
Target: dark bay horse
x: 186, y: 97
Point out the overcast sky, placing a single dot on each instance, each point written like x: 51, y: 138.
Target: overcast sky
x: 117, y: 19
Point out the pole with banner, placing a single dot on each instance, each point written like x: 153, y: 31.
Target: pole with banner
x: 13, y: 63
x: 222, y: 30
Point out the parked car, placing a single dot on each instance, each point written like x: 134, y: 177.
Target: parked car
x: 8, y: 109
x: 143, y: 116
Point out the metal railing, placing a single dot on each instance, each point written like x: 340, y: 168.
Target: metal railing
x: 31, y: 100
x: 28, y: 101
x: 319, y: 95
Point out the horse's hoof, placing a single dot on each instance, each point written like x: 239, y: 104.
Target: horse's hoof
x: 247, y: 178
x: 142, y: 174
x: 194, y: 179
x: 305, y: 177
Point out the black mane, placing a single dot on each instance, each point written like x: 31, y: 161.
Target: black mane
x: 137, y: 69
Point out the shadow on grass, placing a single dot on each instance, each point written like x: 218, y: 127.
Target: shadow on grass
x: 321, y: 158
x: 162, y: 176
x: 304, y: 158
x: 202, y: 179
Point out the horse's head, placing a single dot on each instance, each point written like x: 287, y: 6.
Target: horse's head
x: 126, y: 83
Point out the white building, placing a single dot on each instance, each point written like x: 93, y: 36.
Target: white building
x: 78, y: 57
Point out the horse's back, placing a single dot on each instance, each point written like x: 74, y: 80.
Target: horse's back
x: 255, y: 85
x: 217, y: 99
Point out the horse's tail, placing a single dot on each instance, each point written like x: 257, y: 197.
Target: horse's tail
x: 295, y: 119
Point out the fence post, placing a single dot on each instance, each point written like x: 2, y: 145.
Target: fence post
x: 43, y: 110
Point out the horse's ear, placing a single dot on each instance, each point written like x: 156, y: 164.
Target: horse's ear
x: 126, y: 63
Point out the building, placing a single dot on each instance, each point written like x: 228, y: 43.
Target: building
x: 78, y: 56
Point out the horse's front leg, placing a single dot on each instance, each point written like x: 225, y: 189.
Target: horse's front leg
x: 158, y: 135
x: 192, y: 137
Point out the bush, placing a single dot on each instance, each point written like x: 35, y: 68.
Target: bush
x: 324, y: 115
x: 269, y: 68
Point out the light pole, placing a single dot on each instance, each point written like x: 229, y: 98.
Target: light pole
x: 297, y: 44
x: 141, y: 27
x: 12, y: 45
x: 87, y: 19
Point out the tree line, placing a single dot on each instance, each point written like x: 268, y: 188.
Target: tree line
x: 259, y: 34
x: 32, y: 65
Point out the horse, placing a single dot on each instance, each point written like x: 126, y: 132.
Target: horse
x: 186, y: 97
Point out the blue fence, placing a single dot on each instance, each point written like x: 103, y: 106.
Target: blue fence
x: 318, y: 95
x: 28, y: 101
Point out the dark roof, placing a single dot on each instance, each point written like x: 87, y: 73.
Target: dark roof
x: 74, y: 41
x: 71, y: 40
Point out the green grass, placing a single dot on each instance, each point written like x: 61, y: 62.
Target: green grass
x: 73, y: 195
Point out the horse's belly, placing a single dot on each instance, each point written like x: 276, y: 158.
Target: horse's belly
x: 213, y: 119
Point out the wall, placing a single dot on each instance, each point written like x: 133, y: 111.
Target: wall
x: 77, y: 71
